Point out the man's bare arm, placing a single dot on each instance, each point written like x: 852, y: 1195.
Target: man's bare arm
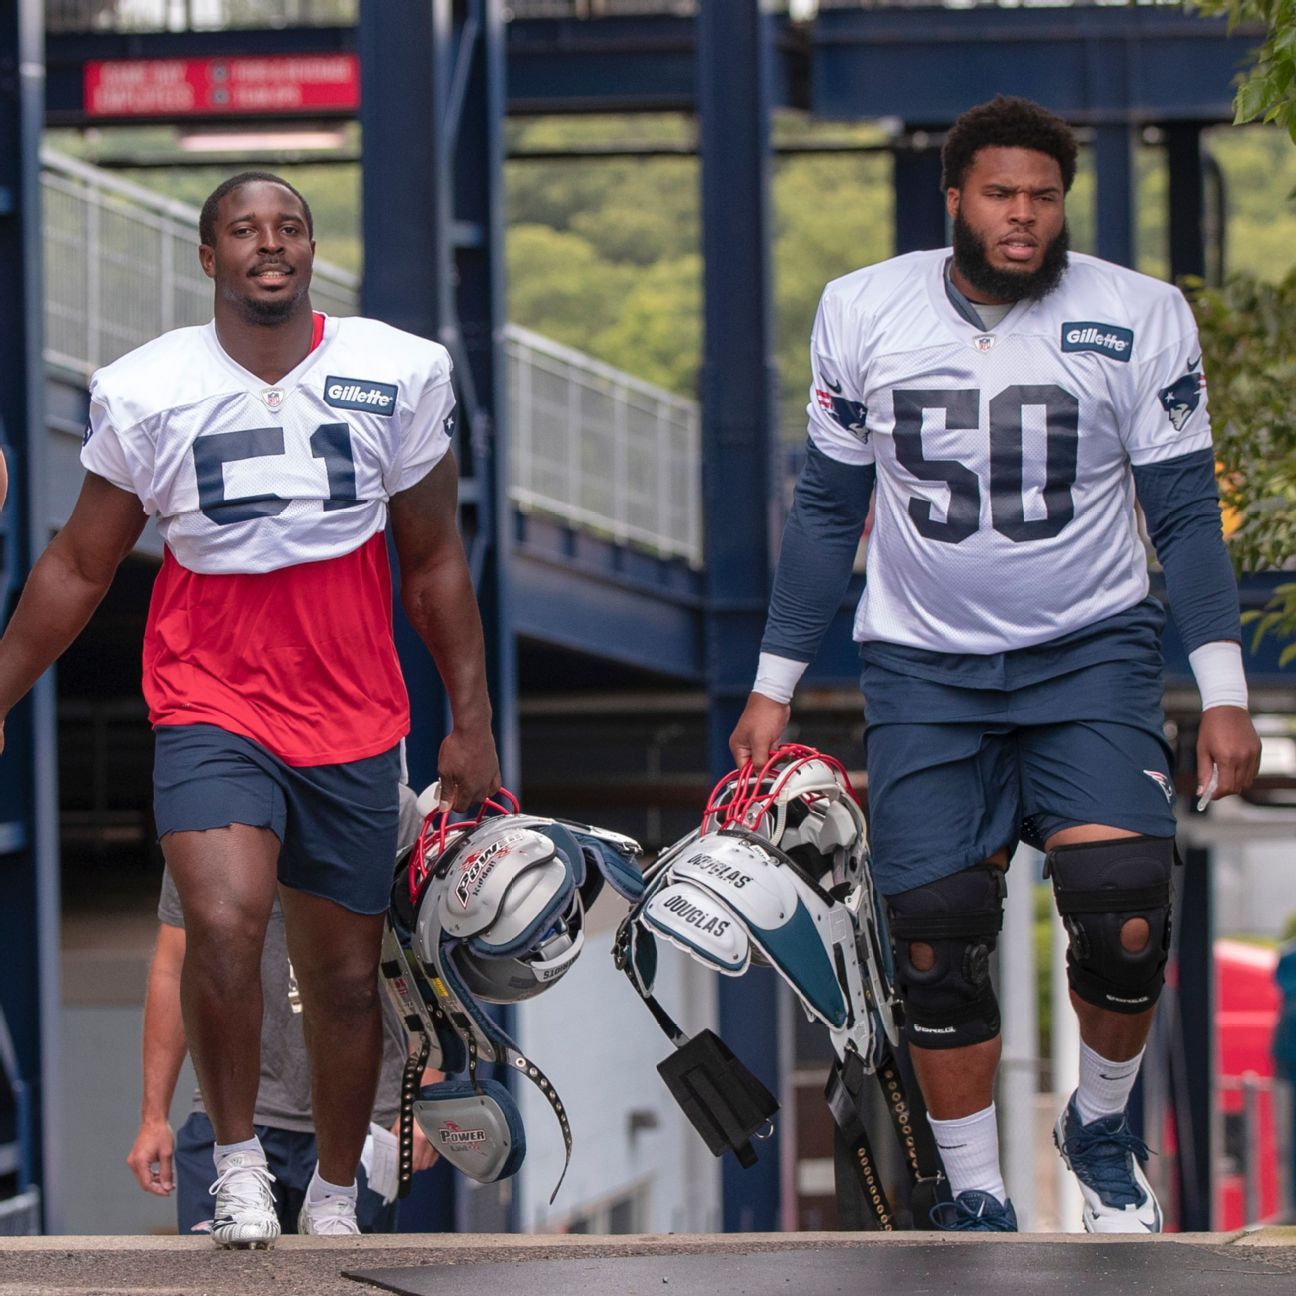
x: 66, y: 585
x: 437, y: 594
x: 152, y: 1155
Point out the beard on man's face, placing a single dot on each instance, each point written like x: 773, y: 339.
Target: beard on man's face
x: 1008, y: 285
x: 265, y: 310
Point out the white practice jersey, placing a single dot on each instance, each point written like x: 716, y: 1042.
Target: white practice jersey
x: 1004, y: 508
x: 248, y: 477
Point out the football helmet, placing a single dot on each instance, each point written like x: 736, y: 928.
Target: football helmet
x: 489, y: 911
x: 802, y: 802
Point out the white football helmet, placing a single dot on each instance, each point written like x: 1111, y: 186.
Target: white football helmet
x: 801, y: 801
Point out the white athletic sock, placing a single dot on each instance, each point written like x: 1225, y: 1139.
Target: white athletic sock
x: 1104, y: 1085
x: 222, y: 1150
x: 969, y: 1147
x: 320, y: 1188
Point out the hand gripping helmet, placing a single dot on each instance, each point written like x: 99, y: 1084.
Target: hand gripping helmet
x: 489, y: 910
x: 802, y: 802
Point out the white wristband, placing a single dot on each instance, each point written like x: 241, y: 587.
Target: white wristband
x: 1217, y: 668
x: 777, y: 677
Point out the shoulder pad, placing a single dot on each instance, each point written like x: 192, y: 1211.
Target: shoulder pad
x: 696, y: 922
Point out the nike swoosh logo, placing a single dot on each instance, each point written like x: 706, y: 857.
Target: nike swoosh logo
x: 834, y: 386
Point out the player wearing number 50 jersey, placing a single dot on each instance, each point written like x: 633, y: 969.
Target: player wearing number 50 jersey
x: 1003, y: 405
x: 273, y: 447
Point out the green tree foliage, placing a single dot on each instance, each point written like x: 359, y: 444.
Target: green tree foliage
x: 1268, y: 91
x: 1247, y: 328
x: 1247, y: 331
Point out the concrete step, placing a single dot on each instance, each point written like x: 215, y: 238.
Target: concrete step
x: 1259, y: 1263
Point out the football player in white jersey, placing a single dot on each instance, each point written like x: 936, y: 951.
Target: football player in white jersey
x: 1003, y: 405
x: 272, y: 446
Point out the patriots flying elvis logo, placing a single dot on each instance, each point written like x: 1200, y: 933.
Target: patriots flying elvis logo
x: 848, y: 413
x: 1183, y: 395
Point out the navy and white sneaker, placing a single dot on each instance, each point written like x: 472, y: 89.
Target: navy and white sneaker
x: 1107, y: 1158
x: 245, y: 1215
x: 973, y: 1211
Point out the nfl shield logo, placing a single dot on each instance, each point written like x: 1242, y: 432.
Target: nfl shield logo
x: 273, y: 397
x: 984, y: 342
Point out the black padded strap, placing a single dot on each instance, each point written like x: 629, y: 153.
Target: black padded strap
x: 411, y: 1079
x: 929, y: 927
x: 1113, y: 899
x: 912, y: 1132
x: 844, y: 1092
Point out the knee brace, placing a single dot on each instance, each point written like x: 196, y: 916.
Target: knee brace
x: 1099, y: 887
x: 952, y: 1003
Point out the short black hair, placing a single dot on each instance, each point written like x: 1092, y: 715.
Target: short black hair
x: 1006, y: 122
x: 211, y: 208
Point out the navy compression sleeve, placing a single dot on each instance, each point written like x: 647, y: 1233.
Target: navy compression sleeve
x: 1181, y: 503
x: 819, y: 543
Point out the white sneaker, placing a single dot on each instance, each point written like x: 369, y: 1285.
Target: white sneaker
x: 1107, y: 1158
x: 245, y: 1206
x: 332, y: 1217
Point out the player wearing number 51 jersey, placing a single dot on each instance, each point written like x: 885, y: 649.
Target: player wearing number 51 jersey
x: 273, y: 447
x: 1003, y: 405
x: 248, y: 478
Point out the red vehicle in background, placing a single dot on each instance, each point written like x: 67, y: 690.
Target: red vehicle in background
x: 1247, y: 1007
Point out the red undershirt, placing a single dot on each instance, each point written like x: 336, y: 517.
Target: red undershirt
x: 300, y: 660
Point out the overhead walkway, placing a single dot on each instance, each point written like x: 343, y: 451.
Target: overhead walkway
x: 605, y: 468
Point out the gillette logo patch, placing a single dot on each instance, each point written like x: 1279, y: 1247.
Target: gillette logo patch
x: 360, y: 394
x: 1107, y: 339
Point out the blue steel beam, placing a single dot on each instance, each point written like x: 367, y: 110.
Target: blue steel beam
x: 433, y: 241
x: 581, y: 608
x: 917, y: 200
x: 623, y: 64
x: 1094, y: 65
x: 29, y: 916
x: 432, y: 122
x: 1186, y: 198
x: 738, y: 402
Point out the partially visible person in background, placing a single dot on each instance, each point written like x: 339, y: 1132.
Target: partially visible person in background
x: 163, y: 1161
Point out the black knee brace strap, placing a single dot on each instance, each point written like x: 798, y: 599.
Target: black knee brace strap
x: 952, y: 1003
x: 1099, y: 887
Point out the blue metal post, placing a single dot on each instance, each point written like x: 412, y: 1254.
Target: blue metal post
x: 1114, y: 201
x: 431, y: 114
x: 1187, y: 191
x: 919, y: 200
x: 433, y: 78
x: 738, y: 403
x: 1192, y: 1062
x: 29, y: 916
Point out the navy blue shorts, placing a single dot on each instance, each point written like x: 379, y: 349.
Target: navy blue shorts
x: 291, y: 1156
x: 337, y: 823
x: 985, y: 768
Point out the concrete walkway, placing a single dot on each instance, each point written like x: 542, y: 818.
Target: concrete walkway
x: 790, y: 1264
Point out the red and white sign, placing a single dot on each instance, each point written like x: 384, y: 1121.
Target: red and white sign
x: 297, y: 83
